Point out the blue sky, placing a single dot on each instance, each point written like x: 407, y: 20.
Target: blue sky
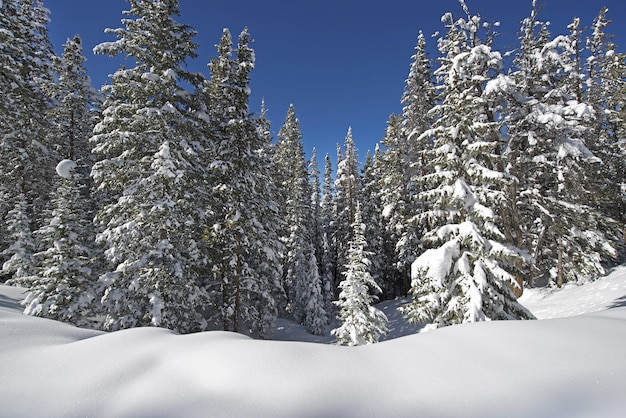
x: 340, y: 62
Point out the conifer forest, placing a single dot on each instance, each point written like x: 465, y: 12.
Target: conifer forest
x: 162, y: 200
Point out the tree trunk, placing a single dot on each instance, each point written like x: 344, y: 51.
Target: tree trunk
x: 237, y: 290
x: 559, y: 274
x: 538, y: 248
x: 513, y: 234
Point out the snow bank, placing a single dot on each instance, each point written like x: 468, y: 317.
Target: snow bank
x: 607, y: 292
x: 562, y: 367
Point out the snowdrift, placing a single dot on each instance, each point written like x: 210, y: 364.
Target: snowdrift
x: 571, y: 367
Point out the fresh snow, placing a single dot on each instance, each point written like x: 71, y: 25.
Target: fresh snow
x: 64, y: 168
x: 571, y: 366
x: 572, y: 300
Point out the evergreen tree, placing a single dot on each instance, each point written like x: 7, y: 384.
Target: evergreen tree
x: 554, y: 218
x: 328, y: 269
x: 40, y: 57
x: 142, y: 175
x: 25, y: 168
x: 73, y: 116
x: 302, y: 279
x: 605, y: 87
x: 418, y: 98
x: 269, y: 195
x: 612, y: 147
x: 401, y: 165
x: 397, y: 205
x: 75, y: 101
x: 347, y: 190
x: 468, y: 272
x: 242, y: 220
x: 361, y: 323
x: 316, y: 204
x: 320, y: 228
x: 63, y: 288
x: 19, y: 267
x: 382, y: 259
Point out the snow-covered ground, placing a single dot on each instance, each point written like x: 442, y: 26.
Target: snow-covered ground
x: 571, y: 366
x: 571, y: 300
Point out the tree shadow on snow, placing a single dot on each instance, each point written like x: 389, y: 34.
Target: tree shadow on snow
x: 9, y: 302
x: 619, y: 302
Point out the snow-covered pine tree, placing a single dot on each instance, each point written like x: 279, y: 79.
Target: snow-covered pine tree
x: 418, y: 97
x: 301, y: 274
x: 316, y: 203
x: 605, y: 86
x: 397, y: 205
x: 270, y: 263
x: 361, y: 323
x: 329, y: 254
x: 401, y: 165
x: 40, y: 57
x: 322, y: 247
x: 347, y: 195
x: 611, y: 139
x: 142, y: 175
x: 418, y: 100
x: 63, y: 288
x: 382, y: 268
x: 73, y: 116
x: 264, y: 129
x: 25, y: 55
x: 19, y: 267
x: 75, y: 105
x: 242, y: 221
x: 554, y: 219
x: 533, y: 34
x: 467, y: 273
x: 597, y: 45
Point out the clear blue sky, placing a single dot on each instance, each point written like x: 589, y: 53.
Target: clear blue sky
x: 340, y: 62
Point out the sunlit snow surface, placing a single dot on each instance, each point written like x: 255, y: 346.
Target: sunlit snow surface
x: 609, y: 292
x: 568, y: 367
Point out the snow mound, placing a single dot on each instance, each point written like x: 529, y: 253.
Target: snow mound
x: 570, y: 367
x: 65, y: 167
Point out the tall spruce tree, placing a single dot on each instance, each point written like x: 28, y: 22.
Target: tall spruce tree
x: 418, y: 97
x: 612, y: 147
x: 361, y: 323
x: 73, y: 116
x: 26, y: 165
x: 397, y: 205
x: 242, y: 218
x: 75, y: 107
x: 19, y: 266
x: 320, y: 228
x: 382, y: 267
x: 605, y: 85
x: 302, y: 278
x: 401, y: 165
x: 554, y: 218
x: 327, y: 213
x: 347, y: 195
x: 467, y: 273
x: 316, y: 204
x: 63, y: 288
x: 142, y: 175
x: 270, y: 194
x: 40, y: 57
x: 418, y: 100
